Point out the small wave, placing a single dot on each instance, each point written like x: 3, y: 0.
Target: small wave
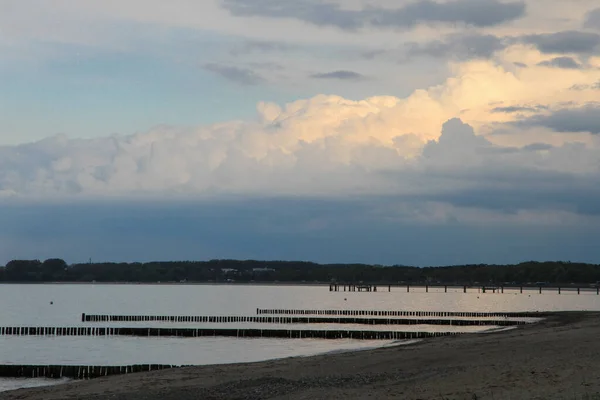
x: 383, y: 345
x: 499, y: 329
x: 7, y: 384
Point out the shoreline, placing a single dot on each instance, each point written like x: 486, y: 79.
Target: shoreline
x: 553, y: 359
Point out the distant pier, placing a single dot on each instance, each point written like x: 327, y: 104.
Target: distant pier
x: 297, y: 320
x: 369, y: 287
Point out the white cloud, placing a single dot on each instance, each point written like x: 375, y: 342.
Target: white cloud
x: 326, y: 146
x: 413, y: 148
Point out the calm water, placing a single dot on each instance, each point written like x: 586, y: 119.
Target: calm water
x: 62, y: 305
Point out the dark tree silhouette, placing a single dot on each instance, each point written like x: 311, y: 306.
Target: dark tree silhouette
x: 57, y: 270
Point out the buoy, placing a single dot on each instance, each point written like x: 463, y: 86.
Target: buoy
x: 51, y: 302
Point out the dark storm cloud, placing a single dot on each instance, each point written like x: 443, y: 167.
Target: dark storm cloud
x: 510, y: 189
x: 561, y: 62
x: 582, y: 119
x: 341, y: 75
x: 565, y: 42
x: 480, y: 13
x: 242, y: 76
x: 276, y: 229
x: 584, y: 201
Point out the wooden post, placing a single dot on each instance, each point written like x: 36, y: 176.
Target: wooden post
x: 389, y: 288
x: 521, y: 289
x: 559, y: 290
x: 465, y: 289
x: 445, y: 288
x: 502, y: 289
x: 426, y: 288
x: 540, y: 290
x: 407, y: 288
x: 578, y: 291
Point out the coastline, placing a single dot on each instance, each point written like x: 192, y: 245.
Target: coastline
x: 553, y: 359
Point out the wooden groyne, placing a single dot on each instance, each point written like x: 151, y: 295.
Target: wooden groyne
x: 297, y: 320
x: 230, y: 332
x: 75, y: 371
x: 392, y: 313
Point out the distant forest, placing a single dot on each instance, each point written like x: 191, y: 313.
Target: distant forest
x: 57, y: 270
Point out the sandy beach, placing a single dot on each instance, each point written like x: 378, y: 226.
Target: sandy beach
x: 558, y: 358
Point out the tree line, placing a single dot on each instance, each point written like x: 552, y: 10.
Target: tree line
x: 57, y: 270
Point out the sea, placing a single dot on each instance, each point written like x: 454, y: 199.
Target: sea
x: 56, y: 305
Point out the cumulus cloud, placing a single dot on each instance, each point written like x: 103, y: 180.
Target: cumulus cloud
x: 411, y: 149
x: 314, y: 147
x: 239, y: 75
x: 340, y: 74
x: 479, y: 13
x: 457, y: 141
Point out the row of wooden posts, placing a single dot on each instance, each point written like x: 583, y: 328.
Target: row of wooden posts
x: 227, y: 332
x: 330, y: 316
x: 298, y: 320
x: 75, y: 371
x: 393, y: 313
x: 337, y: 287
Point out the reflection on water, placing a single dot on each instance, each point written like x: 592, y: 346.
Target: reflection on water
x: 84, y: 350
x: 31, y: 304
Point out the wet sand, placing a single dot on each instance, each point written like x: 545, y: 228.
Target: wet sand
x: 558, y: 358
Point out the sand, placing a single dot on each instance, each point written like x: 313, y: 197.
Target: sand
x: 558, y: 358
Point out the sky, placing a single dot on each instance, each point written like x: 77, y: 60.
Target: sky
x: 414, y: 132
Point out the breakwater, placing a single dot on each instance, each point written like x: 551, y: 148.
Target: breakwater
x: 391, y: 313
x: 75, y: 371
x: 297, y: 320
x: 231, y: 332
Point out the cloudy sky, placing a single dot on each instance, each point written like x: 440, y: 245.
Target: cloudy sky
x: 423, y: 132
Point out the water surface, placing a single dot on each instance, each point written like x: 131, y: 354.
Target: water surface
x: 63, y: 304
